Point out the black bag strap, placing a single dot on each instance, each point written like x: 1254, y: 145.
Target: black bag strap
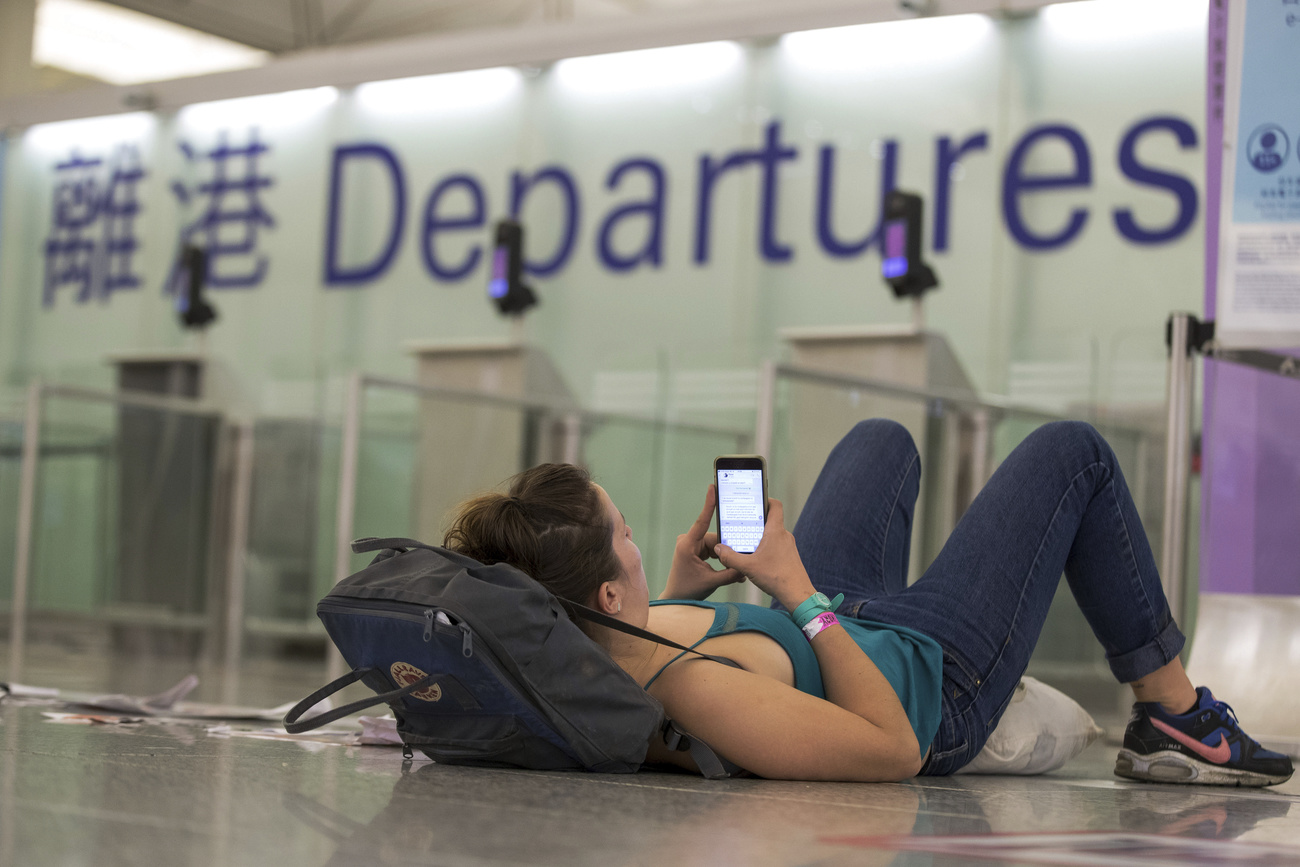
x: 594, y: 616
x: 367, y: 544
x: 712, y: 766
x: 291, y: 720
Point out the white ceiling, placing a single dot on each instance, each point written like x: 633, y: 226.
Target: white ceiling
x: 342, y: 43
x: 288, y: 25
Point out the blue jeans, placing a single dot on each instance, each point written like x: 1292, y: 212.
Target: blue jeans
x: 1057, y: 504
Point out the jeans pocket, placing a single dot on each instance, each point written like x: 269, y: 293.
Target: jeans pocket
x: 960, y: 682
x: 951, y: 746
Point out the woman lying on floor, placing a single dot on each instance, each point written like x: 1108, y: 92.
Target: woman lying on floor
x: 906, y: 680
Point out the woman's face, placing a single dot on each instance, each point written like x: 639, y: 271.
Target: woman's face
x: 636, y: 596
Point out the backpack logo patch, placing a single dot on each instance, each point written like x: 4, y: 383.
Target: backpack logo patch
x: 405, y: 674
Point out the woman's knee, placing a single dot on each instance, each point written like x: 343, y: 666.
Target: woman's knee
x: 880, y: 435
x: 1071, y: 437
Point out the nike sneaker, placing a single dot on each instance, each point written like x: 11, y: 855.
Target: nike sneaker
x: 1204, y: 745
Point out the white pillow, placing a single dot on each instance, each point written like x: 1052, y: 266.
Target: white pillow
x: 1042, y: 729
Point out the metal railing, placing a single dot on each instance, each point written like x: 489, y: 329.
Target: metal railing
x: 669, y: 455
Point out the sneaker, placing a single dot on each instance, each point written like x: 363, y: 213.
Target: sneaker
x: 1204, y: 745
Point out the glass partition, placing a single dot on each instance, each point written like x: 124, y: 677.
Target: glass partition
x: 421, y: 452
x: 11, y: 447
x: 657, y: 474
x: 163, y: 535
x: 120, y: 558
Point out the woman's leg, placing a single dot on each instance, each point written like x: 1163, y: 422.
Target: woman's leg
x: 855, y: 532
x: 1057, y: 504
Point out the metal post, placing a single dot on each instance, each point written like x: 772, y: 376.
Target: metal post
x: 1178, y: 401
x: 237, y: 554
x: 763, y: 439
x: 572, y: 449
x: 218, y: 560
x: 981, y: 451
x: 349, y: 457
x: 766, y: 409
x: 26, y: 520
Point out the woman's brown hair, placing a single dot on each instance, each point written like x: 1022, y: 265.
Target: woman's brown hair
x: 550, y: 524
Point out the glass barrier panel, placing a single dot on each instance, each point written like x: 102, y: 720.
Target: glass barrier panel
x: 657, y: 474
x: 284, y: 554
x: 11, y: 450
x: 122, y: 566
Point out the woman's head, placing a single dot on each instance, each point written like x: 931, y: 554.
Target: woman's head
x: 556, y: 526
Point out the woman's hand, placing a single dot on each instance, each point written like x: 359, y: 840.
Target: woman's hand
x: 691, y: 576
x: 775, y: 566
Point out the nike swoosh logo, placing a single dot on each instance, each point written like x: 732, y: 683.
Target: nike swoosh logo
x: 1218, y: 755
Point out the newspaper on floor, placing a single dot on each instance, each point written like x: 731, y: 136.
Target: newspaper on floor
x: 168, y: 703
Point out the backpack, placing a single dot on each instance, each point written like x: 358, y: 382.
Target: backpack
x: 481, y: 665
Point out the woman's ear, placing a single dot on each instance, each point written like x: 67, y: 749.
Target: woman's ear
x: 608, y: 599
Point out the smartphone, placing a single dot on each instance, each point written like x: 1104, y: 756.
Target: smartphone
x: 742, y: 500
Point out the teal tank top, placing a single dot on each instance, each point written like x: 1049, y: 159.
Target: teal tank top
x: 910, y: 661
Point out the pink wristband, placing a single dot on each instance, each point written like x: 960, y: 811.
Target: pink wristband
x: 822, y: 621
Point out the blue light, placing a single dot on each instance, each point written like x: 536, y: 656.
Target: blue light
x: 894, y: 266
x: 498, y: 286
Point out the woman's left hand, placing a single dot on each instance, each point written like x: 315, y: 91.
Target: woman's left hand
x: 691, y: 575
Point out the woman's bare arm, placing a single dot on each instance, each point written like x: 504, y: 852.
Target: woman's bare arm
x: 861, y: 731
x: 778, y: 732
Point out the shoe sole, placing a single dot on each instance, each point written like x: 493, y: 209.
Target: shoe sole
x: 1174, y: 767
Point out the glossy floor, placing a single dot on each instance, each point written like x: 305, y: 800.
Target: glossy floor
x: 207, y: 793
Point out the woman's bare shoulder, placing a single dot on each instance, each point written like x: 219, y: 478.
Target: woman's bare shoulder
x: 682, y: 622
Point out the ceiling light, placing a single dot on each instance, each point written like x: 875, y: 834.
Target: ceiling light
x: 887, y: 44
x: 450, y: 91
x: 124, y: 47
x: 271, y: 109
x: 61, y: 138
x: 649, y: 69
x: 1112, y: 22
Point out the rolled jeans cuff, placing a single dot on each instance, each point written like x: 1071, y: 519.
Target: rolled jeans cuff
x: 1136, y: 664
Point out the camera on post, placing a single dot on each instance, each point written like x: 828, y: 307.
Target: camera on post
x: 901, y: 264
x: 506, y: 285
x: 191, y: 305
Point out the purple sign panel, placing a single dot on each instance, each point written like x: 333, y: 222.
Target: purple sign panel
x: 1250, y: 516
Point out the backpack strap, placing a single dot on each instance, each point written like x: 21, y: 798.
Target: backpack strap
x: 291, y: 720
x: 600, y: 619
x: 367, y: 544
x: 712, y: 766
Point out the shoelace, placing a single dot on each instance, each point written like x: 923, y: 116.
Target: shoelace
x: 1222, y: 706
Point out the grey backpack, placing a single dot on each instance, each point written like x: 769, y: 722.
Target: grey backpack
x: 482, y: 665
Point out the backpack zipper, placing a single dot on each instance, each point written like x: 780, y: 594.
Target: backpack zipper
x: 402, y: 611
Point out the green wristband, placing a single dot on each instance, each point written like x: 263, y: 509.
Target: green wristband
x: 812, y: 606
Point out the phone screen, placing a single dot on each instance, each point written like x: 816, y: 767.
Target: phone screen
x: 740, y: 508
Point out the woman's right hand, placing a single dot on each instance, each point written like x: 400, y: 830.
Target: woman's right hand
x: 775, y: 566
